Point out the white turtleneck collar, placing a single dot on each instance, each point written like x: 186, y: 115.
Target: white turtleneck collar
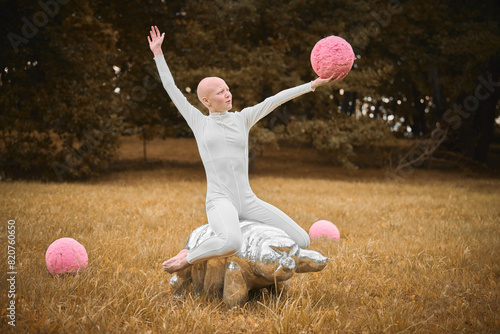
x: 218, y: 114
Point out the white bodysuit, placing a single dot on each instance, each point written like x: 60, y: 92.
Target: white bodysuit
x: 222, y: 140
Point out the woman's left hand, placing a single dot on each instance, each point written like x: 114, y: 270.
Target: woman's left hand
x: 155, y: 40
x: 336, y: 77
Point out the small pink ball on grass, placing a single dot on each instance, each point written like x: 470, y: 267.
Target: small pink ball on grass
x: 332, y: 55
x: 66, y: 256
x: 324, y: 228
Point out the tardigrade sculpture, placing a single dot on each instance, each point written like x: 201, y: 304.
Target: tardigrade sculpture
x: 267, y: 257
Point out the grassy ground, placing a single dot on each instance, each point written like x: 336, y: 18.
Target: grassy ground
x: 420, y: 255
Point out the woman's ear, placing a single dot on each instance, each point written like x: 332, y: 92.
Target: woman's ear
x: 205, y: 102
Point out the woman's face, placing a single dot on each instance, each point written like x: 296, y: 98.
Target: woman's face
x: 215, y: 94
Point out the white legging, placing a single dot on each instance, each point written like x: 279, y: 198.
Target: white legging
x: 224, y: 220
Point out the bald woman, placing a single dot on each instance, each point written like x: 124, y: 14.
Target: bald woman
x: 222, y: 139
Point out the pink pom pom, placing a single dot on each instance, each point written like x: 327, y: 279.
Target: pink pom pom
x: 331, y: 55
x: 324, y: 228
x: 66, y: 256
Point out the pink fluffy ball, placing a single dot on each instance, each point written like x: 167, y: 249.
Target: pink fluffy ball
x: 331, y: 55
x: 324, y: 228
x: 66, y: 256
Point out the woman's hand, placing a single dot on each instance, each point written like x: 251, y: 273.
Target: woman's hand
x: 336, y: 77
x: 155, y: 41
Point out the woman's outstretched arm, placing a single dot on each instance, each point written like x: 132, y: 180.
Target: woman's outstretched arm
x: 190, y: 113
x: 257, y: 112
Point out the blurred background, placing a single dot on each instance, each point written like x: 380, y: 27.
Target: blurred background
x: 77, y: 77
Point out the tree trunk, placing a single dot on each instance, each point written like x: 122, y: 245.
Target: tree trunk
x: 437, y: 91
x: 352, y: 108
x: 251, y: 160
x: 485, y: 117
x: 349, y: 102
x: 345, y: 101
x: 378, y: 107
x: 419, y: 125
x: 144, y: 142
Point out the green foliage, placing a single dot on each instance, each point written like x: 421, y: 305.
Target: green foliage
x: 57, y: 83
x: 58, y: 115
x: 338, y: 138
x: 261, y: 137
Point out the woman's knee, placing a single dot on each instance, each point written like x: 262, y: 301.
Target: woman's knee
x: 233, y: 244
x: 304, y: 241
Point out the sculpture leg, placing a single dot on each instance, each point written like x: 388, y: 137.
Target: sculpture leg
x: 282, y: 287
x: 214, y: 278
x: 180, y: 281
x: 198, y: 275
x: 235, y: 287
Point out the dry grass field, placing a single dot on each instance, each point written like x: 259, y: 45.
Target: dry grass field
x: 421, y: 255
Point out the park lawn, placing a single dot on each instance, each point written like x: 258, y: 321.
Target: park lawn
x: 418, y: 253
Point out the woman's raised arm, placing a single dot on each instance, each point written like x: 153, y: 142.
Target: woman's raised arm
x: 190, y: 113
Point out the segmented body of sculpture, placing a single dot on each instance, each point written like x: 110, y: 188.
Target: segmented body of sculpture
x: 266, y: 257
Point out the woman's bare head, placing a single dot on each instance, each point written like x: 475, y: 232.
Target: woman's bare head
x: 214, y: 93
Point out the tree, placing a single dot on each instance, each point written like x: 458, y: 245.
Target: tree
x: 406, y: 73
x: 438, y: 55
x: 58, y: 114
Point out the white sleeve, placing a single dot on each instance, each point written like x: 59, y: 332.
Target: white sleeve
x: 190, y: 113
x: 253, y: 114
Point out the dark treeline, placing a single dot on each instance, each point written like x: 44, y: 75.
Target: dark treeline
x: 77, y: 74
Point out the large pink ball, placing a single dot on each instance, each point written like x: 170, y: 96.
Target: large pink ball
x: 66, y: 256
x: 324, y: 228
x: 331, y: 55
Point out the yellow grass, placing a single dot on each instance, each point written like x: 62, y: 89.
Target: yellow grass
x: 417, y: 256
